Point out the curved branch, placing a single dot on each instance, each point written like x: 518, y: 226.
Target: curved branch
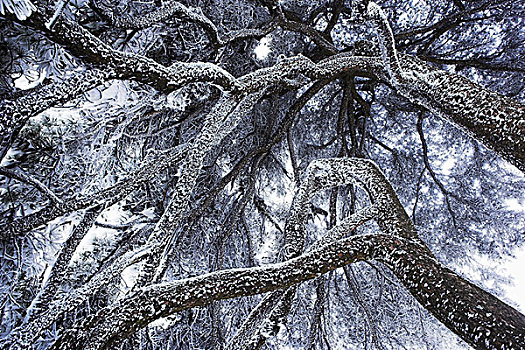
x: 219, y: 124
x: 478, y: 317
x: 323, y: 174
x: 499, y: 123
x: 81, y: 43
x: 22, y: 176
x: 496, y: 121
x: 171, y: 9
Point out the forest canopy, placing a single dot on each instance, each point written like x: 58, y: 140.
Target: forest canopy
x: 260, y: 174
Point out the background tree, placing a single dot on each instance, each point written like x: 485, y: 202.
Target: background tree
x: 160, y: 159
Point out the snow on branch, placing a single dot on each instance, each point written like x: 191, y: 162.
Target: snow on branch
x: 81, y: 43
x: 451, y: 299
x: 386, y: 41
x: 22, y: 176
x: 165, y: 12
x: 498, y: 122
x: 331, y: 172
x: 320, y: 175
x: 150, y: 303
x: 58, y: 273
x: 151, y: 167
x: 328, y: 173
x: 61, y: 305
x: 253, y: 83
x: 170, y: 9
x: 15, y: 113
x: 219, y: 123
x: 264, y: 318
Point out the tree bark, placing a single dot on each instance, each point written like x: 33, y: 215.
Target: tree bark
x: 482, y: 320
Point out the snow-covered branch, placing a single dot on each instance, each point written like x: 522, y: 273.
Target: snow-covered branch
x: 25, y: 335
x: 14, y: 114
x: 81, y: 43
x: 453, y: 300
x: 498, y: 122
x: 22, y: 176
x: 219, y: 123
x: 151, y: 167
x: 171, y: 9
x: 321, y: 175
x: 57, y: 275
x: 264, y: 319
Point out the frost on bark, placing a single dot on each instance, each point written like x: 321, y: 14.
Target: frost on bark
x: 321, y: 175
x: 479, y: 318
x: 171, y: 9
x: 81, y: 43
x: 151, y: 167
x: 25, y: 336
x: 496, y: 121
x: 22, y: 176
x: 57, y: 275
x: 15, y: 114
x: 221, y: 121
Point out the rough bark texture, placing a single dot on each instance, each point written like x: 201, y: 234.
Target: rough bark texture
x: 479, y: 318
x: 497, y: 121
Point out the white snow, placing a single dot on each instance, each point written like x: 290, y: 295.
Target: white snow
x: 263, y: 49
x: 516, y: 291
x: 25, y: 81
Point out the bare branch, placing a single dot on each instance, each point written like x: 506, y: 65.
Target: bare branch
x: 442, y: 188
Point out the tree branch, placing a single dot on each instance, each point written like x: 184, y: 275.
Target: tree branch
x: 81, y: 43
x: 444, y: 191
x: 479, y: 318
x: 171, y: 9
x: 498, y: 122
x: 21, y: 176
x: 14, y: 114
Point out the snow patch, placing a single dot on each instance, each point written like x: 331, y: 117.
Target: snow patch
x: 263, y: 48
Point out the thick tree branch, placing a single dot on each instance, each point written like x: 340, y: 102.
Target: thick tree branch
x: 320, y: 175
x: 57, y: 276
x: 479, y: 318
x: 81, y: 43
x: 498, y: 122
x: 171, y: 9
x: 219, y: 124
